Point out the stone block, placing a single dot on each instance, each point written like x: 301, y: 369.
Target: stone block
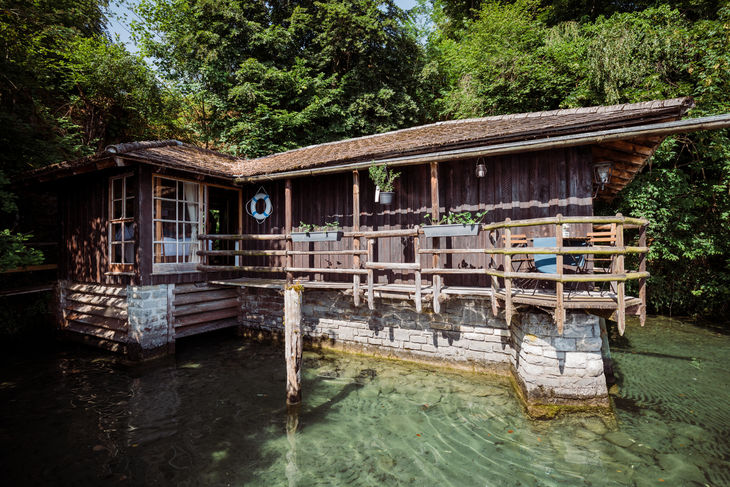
x: 479, y: 337
x: 417, y: 338
x: 564, y: 344
x: 578, y: 360
x: 481, y: 346
x: 588, y: 344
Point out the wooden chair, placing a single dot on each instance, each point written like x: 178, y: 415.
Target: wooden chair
x: 520, y: 262
x: 604, y: 235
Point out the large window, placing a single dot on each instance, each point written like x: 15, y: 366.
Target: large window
x: 176, y: 220
x: 121, y: 221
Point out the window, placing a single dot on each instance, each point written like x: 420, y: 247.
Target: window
x: 121, y: 220
x: 176, y: 220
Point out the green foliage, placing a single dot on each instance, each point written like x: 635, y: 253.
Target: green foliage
x: 327, y: 226
x: 527, y: 55
x: 461, y: 218
x: 383, y: 177
x: 263, y: 77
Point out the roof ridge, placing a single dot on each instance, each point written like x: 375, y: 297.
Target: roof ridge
x: 125, y: 147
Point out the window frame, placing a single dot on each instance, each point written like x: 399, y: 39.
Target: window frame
x: 123, y: 221
x: 177, y: 266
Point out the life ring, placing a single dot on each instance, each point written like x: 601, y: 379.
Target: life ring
x: 267, y: 210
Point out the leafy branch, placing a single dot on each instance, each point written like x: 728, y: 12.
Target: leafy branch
x: 327, y: 226
x: 383, y: 177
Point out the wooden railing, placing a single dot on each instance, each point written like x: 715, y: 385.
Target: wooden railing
x: 365, y: 264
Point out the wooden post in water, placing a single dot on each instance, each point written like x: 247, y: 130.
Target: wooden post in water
x: 559, y: 302
x: 436, y: 280
x: 356, y: 240
x: 293, y: 342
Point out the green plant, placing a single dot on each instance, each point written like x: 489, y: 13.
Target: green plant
x: 327, y: 226
x: 451, y: 218
x: 383, y: 177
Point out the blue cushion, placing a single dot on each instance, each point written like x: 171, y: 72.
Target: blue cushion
x: 545, y: 263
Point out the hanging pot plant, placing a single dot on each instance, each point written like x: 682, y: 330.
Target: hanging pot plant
x: 454, y: 224
x: 384, y: 180
x: 329, y: 232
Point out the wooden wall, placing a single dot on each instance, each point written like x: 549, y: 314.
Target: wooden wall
x: 530, y: 185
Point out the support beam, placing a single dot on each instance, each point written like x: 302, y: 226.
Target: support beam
x: 371, y: 276
x: 508, y: 281
x: 559, y: 302
x: 417, y: 278
x: 287, y: 227
x: 642, y: 281
x: 356, y: 240
x: 621, y: 285
x: 293, y: 342
x: 436, y: 263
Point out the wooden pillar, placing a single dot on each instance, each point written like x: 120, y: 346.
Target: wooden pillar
x: 642, y: 280
x: 507, y: 270
x: 356, y: 240
x: 143, y: 220
x: 417, y: 278
x: 371, y: 275
x: 621, y: 285
x: 436, y: 263
x: 559, y: 302
x: 495, y: 283
x: 287, y: 229
x: 293, y: 342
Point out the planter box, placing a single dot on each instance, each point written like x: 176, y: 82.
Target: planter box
x: 324, y: 236
x: 457, y: 230
x: 386, y: 197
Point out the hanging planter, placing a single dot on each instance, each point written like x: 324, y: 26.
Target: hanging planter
x: 454, y: 225
x: 384, y: 180
x: 329, y: 232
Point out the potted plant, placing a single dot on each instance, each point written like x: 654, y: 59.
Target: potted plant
x: 383, y: 179
x: 329, y: 232
x: 454, y: 224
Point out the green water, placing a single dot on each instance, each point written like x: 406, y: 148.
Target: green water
x: 214, y: 415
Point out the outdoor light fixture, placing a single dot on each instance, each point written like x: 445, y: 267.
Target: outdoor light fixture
x: 602, y: 174
x: 481, y: 170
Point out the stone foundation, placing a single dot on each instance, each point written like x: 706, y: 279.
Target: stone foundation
x: 549, y: 368
x: 150, y: 333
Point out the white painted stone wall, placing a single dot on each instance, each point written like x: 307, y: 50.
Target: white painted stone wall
x: 149, y: 331
x: 554, y: 368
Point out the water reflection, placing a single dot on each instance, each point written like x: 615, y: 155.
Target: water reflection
x: 216, y: 415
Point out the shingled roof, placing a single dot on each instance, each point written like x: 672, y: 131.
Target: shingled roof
x: 472, y: 132
x: 425, y: 139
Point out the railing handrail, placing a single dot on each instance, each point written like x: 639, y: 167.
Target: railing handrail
x: 531, y: 222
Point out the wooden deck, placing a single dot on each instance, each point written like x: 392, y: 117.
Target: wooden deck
x: 588, y: 300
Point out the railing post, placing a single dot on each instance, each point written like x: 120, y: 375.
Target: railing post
x: 620, y: 285
x: 559, y: 301
x: 356, y: 240
x: 495, y: 283
x: 507, y: 270
x: 371, y: 277
x: 417, y: 278
x: 642, y: 280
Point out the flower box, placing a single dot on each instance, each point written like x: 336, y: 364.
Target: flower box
x: 321, y: 236
x: 452, y: 230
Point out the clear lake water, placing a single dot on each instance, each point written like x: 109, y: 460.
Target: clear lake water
x: 215, y: 415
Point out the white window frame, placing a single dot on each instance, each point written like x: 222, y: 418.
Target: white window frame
x: 172, y: 267
x: 125, y: 219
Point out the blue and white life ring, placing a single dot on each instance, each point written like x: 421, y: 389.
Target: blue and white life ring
x: 268, y: 208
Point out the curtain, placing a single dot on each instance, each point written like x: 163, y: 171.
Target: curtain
x: 191, y: 198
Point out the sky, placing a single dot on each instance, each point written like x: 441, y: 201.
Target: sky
x: 121, y: 16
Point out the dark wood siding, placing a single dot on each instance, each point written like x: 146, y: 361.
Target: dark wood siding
x: 530, y: 185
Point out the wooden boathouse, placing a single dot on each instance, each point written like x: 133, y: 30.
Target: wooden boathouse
x: 162, y: 240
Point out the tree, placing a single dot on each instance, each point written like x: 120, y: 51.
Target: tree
x: 267, y: 77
